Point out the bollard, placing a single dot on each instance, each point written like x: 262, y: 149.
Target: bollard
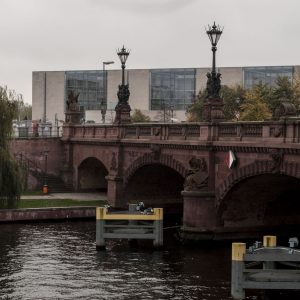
x: 269, y: 241
x: 45, y: 189
x: 100, y: 242
x: 158, y: 227
x: 237, y: 267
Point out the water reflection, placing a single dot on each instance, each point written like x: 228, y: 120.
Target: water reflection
x: 59, y: 261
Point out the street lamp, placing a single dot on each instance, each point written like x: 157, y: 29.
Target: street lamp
x: 103, y: 111
x: 123, y: 55
x: 123, y: 109
x: 213, y: 105
x: 103, y: 105
x: 214, y: 33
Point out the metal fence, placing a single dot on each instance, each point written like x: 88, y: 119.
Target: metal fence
x: 40, y: 132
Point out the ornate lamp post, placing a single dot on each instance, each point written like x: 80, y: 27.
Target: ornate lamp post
x: 214, y: 33
x: 123, y: 109
x: 213, y: 106
x: 103, y: 111
x: 103, y: 105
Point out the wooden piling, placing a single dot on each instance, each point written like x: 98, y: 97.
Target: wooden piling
x: 100, y: 242
x: 269, y: 241
x: 158, y: 228
x: 237, y: 267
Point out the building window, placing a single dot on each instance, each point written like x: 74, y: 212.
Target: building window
x: 265, y: 75
x: 89, y: 85
x: 172, y: 88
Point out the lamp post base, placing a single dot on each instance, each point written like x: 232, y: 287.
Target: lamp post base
x: 122, y: 114
x: 213, y: 110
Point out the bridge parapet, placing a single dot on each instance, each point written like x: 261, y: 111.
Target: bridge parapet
x: 285, y: 131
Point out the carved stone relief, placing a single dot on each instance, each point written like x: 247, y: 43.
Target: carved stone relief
x: 276, y: 162
x: 197, y: 176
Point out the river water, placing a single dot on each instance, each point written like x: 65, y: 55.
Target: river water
x: 60, y: 261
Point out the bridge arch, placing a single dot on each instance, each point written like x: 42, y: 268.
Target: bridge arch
x: 258, y: 167
x: 149, y: 159
x: 156, y: 181
x: 91, y: 174
x: 260, y: 195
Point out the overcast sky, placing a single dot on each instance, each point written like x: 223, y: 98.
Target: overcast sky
x: 39, y: 35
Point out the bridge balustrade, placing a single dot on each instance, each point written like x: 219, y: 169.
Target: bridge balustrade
x: 279, y: 131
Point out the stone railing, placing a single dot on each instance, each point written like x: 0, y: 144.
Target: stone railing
x: 287, y: 131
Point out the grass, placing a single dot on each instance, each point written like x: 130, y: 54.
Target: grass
x: 41, y: 203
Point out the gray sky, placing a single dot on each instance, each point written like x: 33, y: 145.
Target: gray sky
x: 39, y: 35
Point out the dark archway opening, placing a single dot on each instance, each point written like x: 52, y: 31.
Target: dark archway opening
x: 157, y: 186
x: 269, y: 202
x: 91, y: 176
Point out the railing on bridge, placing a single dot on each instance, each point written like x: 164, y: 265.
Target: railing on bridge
x: 285, y: 131
x: 42, y: 132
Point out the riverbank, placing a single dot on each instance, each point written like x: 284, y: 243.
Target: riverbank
x: 56, y: 206
x: 73, y: 196
x: 43, y: 214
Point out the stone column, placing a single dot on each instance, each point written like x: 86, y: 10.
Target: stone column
x: 115, y: 191
x: 199, y: 214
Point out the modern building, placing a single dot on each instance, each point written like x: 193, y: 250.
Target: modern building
x: 159, y: 93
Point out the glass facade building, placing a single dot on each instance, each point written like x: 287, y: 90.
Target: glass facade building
x: 89, y: 85
x: 172, y: 88
x: 265, y: 75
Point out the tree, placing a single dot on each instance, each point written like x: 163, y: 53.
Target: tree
x: 24, y: 111
x: 139, y: 117
x: 10, y: 173
x: 194, y: 111
x: 283, y: 90
x: 233, y: 97
x: 255, y: 107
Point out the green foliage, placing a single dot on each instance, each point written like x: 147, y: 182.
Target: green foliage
x: 282, y: 91
x: 233, y: 98
x: 194, y: 111
x: 255, y: 104
x: 139, y: 117
x: 10, y: 173
x: 296, y: 88
x: 254, y: 107
x: 24, y: 111
x: 10, y: 180
x: 38, y: 203
x: 8, y: 108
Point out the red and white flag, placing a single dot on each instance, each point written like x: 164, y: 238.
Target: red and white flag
x: 231, y: 159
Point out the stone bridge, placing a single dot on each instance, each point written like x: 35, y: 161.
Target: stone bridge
x: 186, y: 167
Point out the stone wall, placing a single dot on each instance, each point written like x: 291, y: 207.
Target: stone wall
x: 32, y: 152
x: 38, y: 214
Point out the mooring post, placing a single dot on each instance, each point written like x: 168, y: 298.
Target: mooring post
x: 237, y: 267
x: 132, y: 208
x: 158, y: 227
x: 100, y: 242
x: 269, y: 241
